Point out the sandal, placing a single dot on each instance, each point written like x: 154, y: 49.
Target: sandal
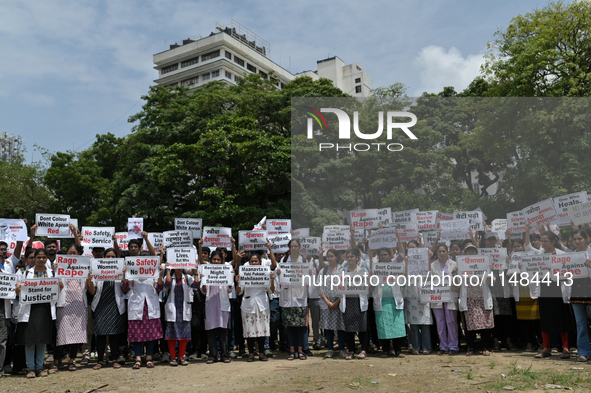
x: 291, y: 356
x: 486, y: 353
x: 565, y: 355
x: 543, y: 354
x: 43, y: 373
x: 349, y: 356
x: 511, y: 347
x: 116, y: 365
x: 184, y: 362
x: 227, y: 360
x: 149, y: 364
x: 497, y: 347
x: 173, y: 363
x: 362, y: 355
x: 529, y: 348
x: 84, y: 361
x: 384, y: 355
x: 137, y: 365
x: 302, y: 356
x: 400, y: 355
x: 31, y: 374
x: 53, y: 369
x: 263, y: 358
x: 469, y: 352
x: 98, y: 366
x: 209, y: 361
x: 72, y: 367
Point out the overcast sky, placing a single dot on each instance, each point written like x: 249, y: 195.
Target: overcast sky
x: 71, y: 69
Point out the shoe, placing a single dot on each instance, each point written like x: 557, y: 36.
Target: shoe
x: 121, y: 360
x: 156, y: 356
x: 204, y: 356
x: 453, y: 353
x: 343, y: 354
x: 233, y: 355
x: 414, y: 352
x: 426, y: 352
x: 308, y: 353
x: 317, y: 346
x: 329, y: 354
x: 268, y: 353
x: 242, y: 351
x: 165, y: 357
x: 93, y: 355
x: 582, y: 358
x: 193, y: 356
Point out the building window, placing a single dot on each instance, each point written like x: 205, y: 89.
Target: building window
x: 239, y: 61
x: 251, y: 68
x: 275, y: 81
x: 228, y: 75
x: 281, y: 85
x: 210, y: 55
x: 264, y: 75
x: 215, y: 74
x: 357, y: 89
x: 228, y: 55
x: 205, y: 77
x: 357, y: 80
x: 190, y: 82
x: 190, y: 62
x: 168, y: 69
x: 236, y: 78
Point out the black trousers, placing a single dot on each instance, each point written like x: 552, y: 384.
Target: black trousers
x: 215, y: 336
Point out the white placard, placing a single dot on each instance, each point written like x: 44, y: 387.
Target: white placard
x: 13, y: 230
x: 473, y: 264
x: 39, y: 290
x: 535, y: 263
x: 335, y: 228
x: 388, y: 269
x: 193, y: 225
x: 455, y: 229
x: 516, y: 223
x: 353, y: 284
x: 217, y: 274
x: 427, y: 220
x: 214, y: 237
x: 142, y: 267
x: 540, y: 213
x: 280, y: 242
x: 429, y: 238
x: 499, y: 225
x: 293, y: 273
x: 418, y: 262
x: 7, y: 285
x: 385, y: 216
x: 436, y: 294
x: 359, y: 234
x: 562, y: 203
x: 72, y: 266
x: 70, y: 235
x: 443, y: 217
x: 481, y: 212
x: 254, y: 276
x: 252, y: 240
x: 385, y: 237
x: 405, y: 216
x: 181, y: 258
x: 178, y: 239
x: 475, y: 218
x: 366, y: 218
x: 336, y: 241
x: 107, y: 269
x: 581, y: 213
x: 301, y: 232
x: 310, y: 246
x: 498, y: 257
x: 122, y: 240
x: 135, y: 227
x: 571, y: 262
x: 156, y: 239
x: 408, y: 231
x: 278, y: 226
x: 98, y: 236
x: 52, y: 224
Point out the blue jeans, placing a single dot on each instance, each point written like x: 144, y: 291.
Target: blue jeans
x: 35, y: 355
x: 583, y: 346
x: 420, y: 337
x: 330, y: 339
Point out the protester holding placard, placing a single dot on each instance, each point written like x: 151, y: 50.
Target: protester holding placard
x: 331, y: 317
x: 445, y: 313
x: 144, y: 326
x: 35, y: 321
x: 580, y: 300
x: 256, y: 311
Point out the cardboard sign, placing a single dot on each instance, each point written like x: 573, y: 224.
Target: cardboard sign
x: 436, y: 294
x: 301, y: 233
x: 193, y: 225
x: 385, y: 216
x: 98, y: 236
x: 380, y: 238
x: 280, y: 242
x: 408, y: 231
x: 252, y: 240
x: 72, y: 266
x: 214, y: 237
x: 52, y: 224
x: 367, y: 218
x: 455, y: 229
x: 580, y: 213
x: 156, y: 239
x: 122, y: 240
x: 310, y: 246
x: 572, y: 262
x: 181, y: 258
x: 498, y: 257
x: 540, y: 213
x: 387, y: 271
x: 516, y: 223
x: 443, y: 217
x: 353, y: 284
x: 7, y: 285
x: 220, y: 274
x: 336, y: 241
x: 499, y: 225
x: 427, y: 220
x: 254, y: 276
x: 13, y: 230
x: 473, y: 264
x: 107, y: 269
x: 39, y: 290
x: 278, y: 226
x: 418, y: 262
x: 405, y: 216
x: 178, y: 239
x: 142, y: 267
x: 293, y: 273
x: 475, y: 218
x: 135, y: 227
x: 562, y: 203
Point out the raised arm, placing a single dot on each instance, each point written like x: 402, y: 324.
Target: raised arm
x: 75, y: 233
x: 150, y: 246
x: 116, y: 246
x: 271, y: 255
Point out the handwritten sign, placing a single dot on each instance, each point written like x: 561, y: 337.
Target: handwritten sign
x: 367, y: 218
x: 499, y: 225
x: 278, y: 226
x: 516, y: 223
x: 562, y: 203
x: 473, y: 264
x: 475, y: 218
x: 418, y: 262
x: 408, y: 231
x: 580, y: 213
x: 310, y: 246
x: 385, y: 270
x: 252, y: 240
x: 178, y: 239
x: 405, y: 216
x: 72, y: 266
x: 214, y: 237
x: 429, y: 238
x: 293, y: 273
x: 353, y: 284
x: 455, y: 229
x: 98, y: 236
x: 135, y: 226
x: 13, y: 230
x: 181, y: 258
x: 107, y: 269
x: 254, y: 276
x: 280, y: 242
x: 52, y: 224
x: 385, y: 216
x: 220, y: 274
x: 385, y: 237
x: 427, y: 220
x: 7, y: 285
x: 301, y: 232
x: 336, y: 241
x: 193, y: 225
x: 498, y: 257
x: 540, y: 213
x: 142, y: 267
x: 39, y: 290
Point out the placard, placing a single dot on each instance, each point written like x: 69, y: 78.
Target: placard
x: 481, y: 212
x: 336, y: 241
x: 475, y: 218
x: 107, y: 269
x: 418, y: 262
x: 7, y: 285
x: 178, y: 239
x: 408, y: 231
x: 254, y: 276
x: 122, y: 240
x: 359, y: 234
x: 516, y: 223
x: 72, y: 266
x: 353, y: 284
x: 405, y: 216
x: 535, y: 263
x: 156, y: 239
x: 13, y: 230
x: 98, y: 236
x: 193, y: 225
x: 435, y: 294
x: 301, y: 232
x: 280, y: 242
x: 385, y: 216
x: 293, y: 273
x: 70, y: 235
x: 217, y: 274
x: 366, y: 218
x: 335, y: 228
x: 444, y: 217
x: 498, y: 257
x: 39, y: 290
x: 455, y: 230
x: 429, y: 238
x: 310, y: 246
x: 385, y: 270
x: 581, y: 213
x: 278, y: 226
x: 142, y: 267
x: 52, y: 224
x: 427, y: 220
x: 499, y: 225
x: 562, y: 203
x: 214, y: 237
x: 571, y: 262
x: 181, y: 258
x: 380, y: 238
x: 252, y: 240
x: 473, y: 264
x: 135, y: 227
x: 540, y: 213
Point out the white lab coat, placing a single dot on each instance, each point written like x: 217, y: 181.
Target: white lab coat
x: 119, y: 296
x: 24, y: 310
x: 436, y: 270
x: 140, y: 291
x: 170, y: 306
